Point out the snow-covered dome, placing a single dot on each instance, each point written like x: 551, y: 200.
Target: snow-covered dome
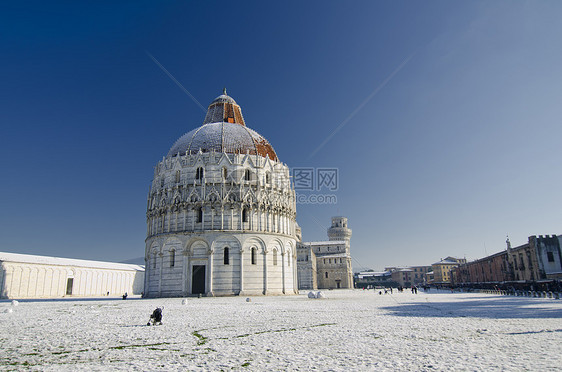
x: 223, y: 130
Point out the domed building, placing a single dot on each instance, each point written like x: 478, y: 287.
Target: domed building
x: 221, y: 213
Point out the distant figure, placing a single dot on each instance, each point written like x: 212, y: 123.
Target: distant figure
x: 390, y: 290
x: 125, y: 296
x: 156, y: 317
x: 380, y: 292
x: 107, y: 293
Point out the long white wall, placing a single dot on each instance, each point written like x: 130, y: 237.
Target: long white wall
x: 27, y: 280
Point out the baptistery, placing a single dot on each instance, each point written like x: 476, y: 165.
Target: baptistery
x: 221, y: 213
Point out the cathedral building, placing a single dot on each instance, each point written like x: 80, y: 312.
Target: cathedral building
x: 221, y: 213
x: 327, y: 264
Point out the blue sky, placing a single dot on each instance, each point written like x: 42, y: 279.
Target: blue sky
x: 458, y: 145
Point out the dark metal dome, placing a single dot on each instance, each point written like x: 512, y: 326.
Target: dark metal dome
x: 223, y: 130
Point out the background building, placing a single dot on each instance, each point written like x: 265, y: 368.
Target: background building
x: 442, y: 270
x: 410, y: 275
x: 371, y: 279
x: 492, y: 270
x: 28, y: 276
x: 329, y: 261
x: 221, y: 213
x: 306, y: 264
x: 537, y: 261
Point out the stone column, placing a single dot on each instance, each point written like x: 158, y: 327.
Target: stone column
x: 241, y: 271
x: 193, y: 218
x: 190, y: 276
x: 266, y: 220
x: 265, y: 271
x: 147, y: 271
x: 251, y: 218
x: 210, y: 252
x: 184, y: 272
x: 283, y: 268
x: 160, y: 274
x: 295, y: 276
x: 241, y: 222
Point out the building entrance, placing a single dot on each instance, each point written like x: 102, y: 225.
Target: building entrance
x: 198, y: 279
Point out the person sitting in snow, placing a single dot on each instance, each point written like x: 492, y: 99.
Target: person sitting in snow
x: 156, y: 317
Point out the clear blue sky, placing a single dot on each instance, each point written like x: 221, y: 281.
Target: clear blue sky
x: 459, y: 144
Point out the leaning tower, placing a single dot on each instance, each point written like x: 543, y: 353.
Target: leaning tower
x: 340, y: 231
x: 342, y: 269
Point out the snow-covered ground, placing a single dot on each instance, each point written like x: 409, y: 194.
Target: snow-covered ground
x: 349, y: 330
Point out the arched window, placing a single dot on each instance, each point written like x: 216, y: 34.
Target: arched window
x: 178, y: 176
x: 275, y: 257
x: 289, y: 258
x: 199, y: 214
x: 224, y: 173
x: 154, y: 262
x: 226, y: 256
x: 172, y: 258
x: 247, y: 175
x: 326, y: 275
x: 244, y: 215
x: 253, y: 256
x: 267, y: 177
x: 199, y: 173
x: 162, y: 182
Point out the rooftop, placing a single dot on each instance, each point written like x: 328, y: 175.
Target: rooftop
x: 47, y: 260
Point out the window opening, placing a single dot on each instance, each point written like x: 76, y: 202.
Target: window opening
x: 199, y: 173
x: 226, y: 256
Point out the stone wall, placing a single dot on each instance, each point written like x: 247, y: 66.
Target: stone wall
x: 27, y: 280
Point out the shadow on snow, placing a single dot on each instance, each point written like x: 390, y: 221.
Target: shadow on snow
x: 483, y: 307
